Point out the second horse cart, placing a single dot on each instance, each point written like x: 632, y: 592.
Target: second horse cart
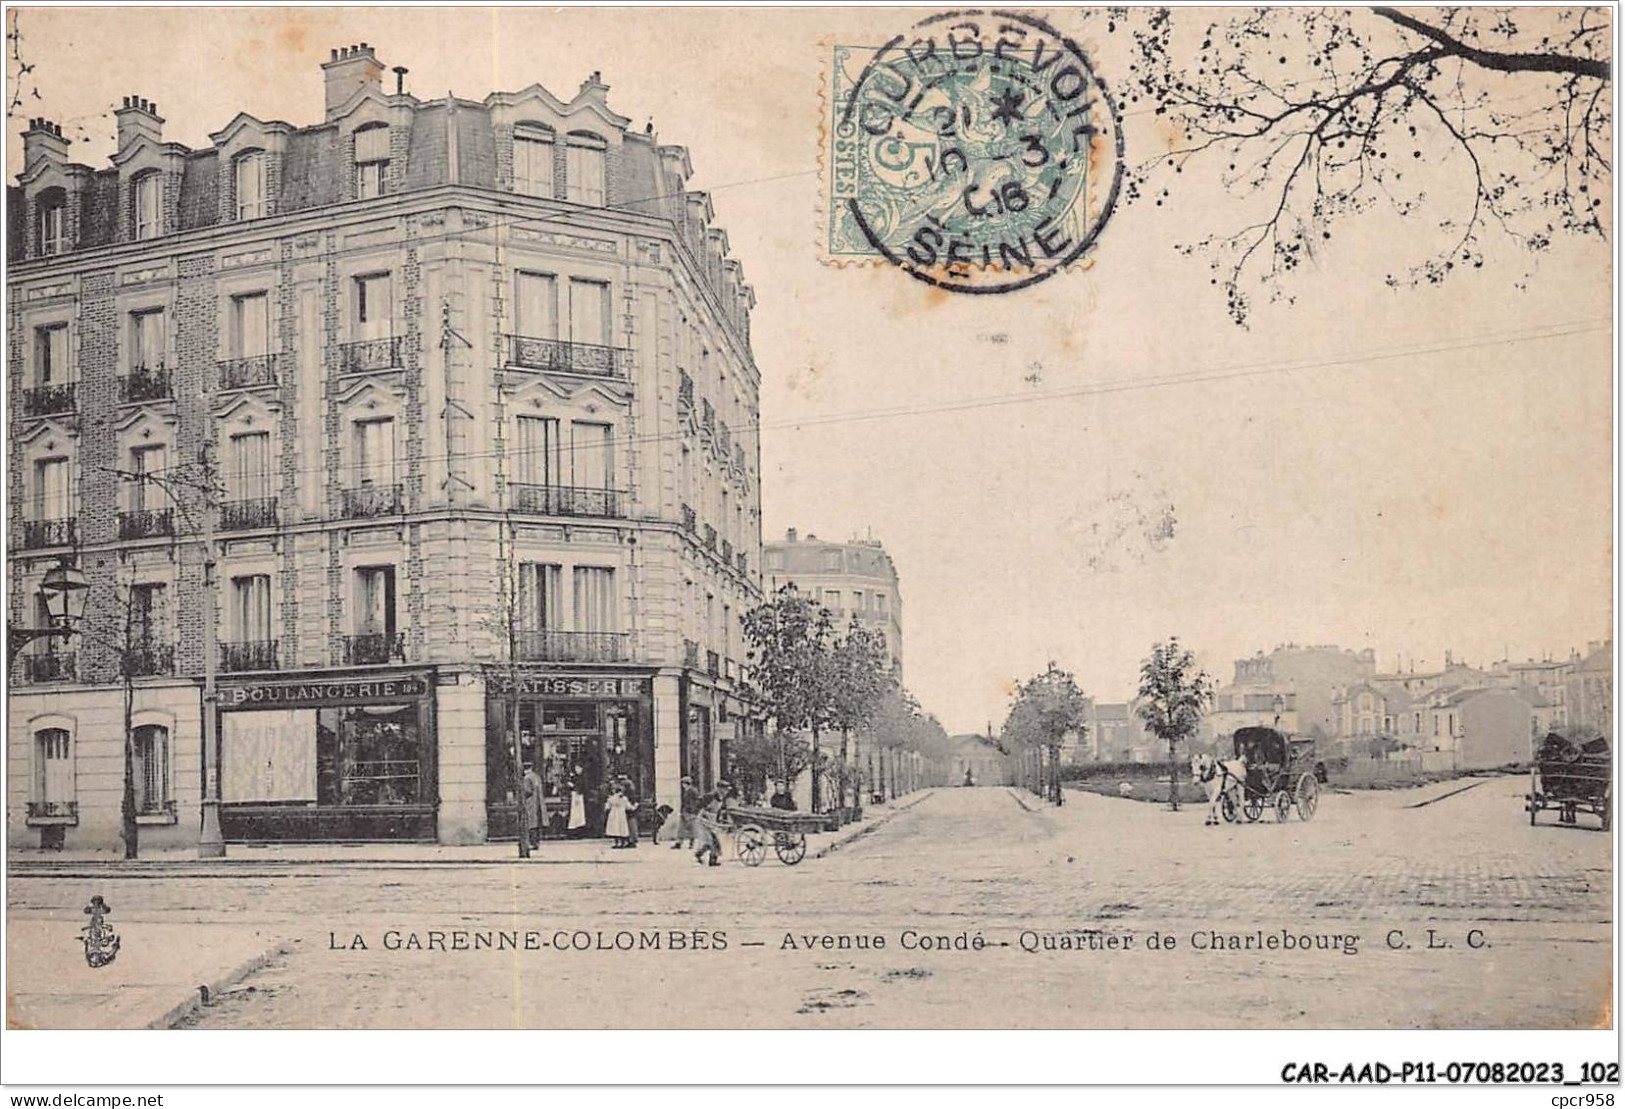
x: 1571, y: 774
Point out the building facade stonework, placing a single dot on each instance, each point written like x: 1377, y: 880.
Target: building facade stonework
x: 466, y: 391
x: 855, y: 580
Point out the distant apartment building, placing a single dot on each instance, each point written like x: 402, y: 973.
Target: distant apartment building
x: 854, y: 580
x: 1589, y: 689
x: 475, y: 382
x: 1294, y: 688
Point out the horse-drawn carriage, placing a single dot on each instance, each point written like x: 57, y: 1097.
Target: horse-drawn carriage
x: 1271, y: 770
x: 1572, y: 773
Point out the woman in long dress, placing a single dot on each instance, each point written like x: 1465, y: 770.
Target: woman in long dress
x: 578, y: 805
x: 616, y: 826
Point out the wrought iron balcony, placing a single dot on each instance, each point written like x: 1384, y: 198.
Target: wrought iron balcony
x: 146, y: 523
x: 50, y: 533
x: 561, y: 646
x: 713, y: 664
x: 46, y: 400
x: 53, y: 812
x: 685, y: 390
x: 369, y: 356
x: 145, y: 383
x: 531, y: 353
x: 374, y: 648
x: 255, y: 512
x: 566, y: 500
x: 691, y: 654
x: 253, y: 654
x: 49, y: 666
x: 148, y: 659
x: 710, y: 537
x: 690, y: 520
x: 246, y: 373
x: 363, y: 501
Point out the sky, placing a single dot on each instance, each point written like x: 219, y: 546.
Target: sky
x: 1073, y: 471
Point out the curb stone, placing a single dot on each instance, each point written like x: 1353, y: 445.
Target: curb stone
x: 854, y: 836
x: 1019, y: 799
x: 213, y: 989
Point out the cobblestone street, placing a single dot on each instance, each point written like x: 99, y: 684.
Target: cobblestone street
x: 1385, y: 867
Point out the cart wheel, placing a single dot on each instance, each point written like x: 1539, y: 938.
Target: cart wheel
x: 751, y: 844
x: 1308, y: 796
x: 1283, y: 806
x: 791, y: 847
x: 1252, y: 808
x: 1228, y: 807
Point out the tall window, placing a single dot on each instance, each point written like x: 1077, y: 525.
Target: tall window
x: 148, y: 206
x: 53, y: 765
x: 374, y: 306
x: 53, y: 224
x: 584, y: 169
x: 250, y: 182
x: 51, y: 354
x: 592, y: 455
x: 145, y: 461
x: 371, y: 160
x: 375, y: 451
x: 533, y: 159
x: 375, y: 600
x: 251, y: 465
x: 148, y: 626
x: 51, y: 489
x: 539, y: 596
x: 251, y: 324
x: 589, y: 311
x: 832, y: 600
x: 536, y: 305
x: 151, y: 768
x: 595, y: 599
x: 251, y: 608
x: 538, y: 461
x: 147, y: 339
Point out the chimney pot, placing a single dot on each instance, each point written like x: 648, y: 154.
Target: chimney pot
x: 333, y: 55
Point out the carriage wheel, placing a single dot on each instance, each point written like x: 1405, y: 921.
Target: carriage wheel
x: 1228, y: 807
x: 1308, y: 796
x: 751, y: 843
x: 790, y: 846
x: 1252, y: 808
x: 1283, y: 806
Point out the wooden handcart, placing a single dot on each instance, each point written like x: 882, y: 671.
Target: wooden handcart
x: 754, y: 830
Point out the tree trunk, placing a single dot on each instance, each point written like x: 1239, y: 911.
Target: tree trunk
x: 815, y: 796
x: 132, y: 832
x: 1173, y: 776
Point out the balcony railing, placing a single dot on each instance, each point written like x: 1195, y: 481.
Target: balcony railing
x: 690, y: 520
x: 145, y: 523
x: 148, y: 660
x: 145, y: 383
x: 691, y: 654
x: 44, y: 400
x: 54, y: 812
x: 374, y: 648
x: 710, y: 537
x: 52, y: 666
x: 50, y: 533
x: 713, y: 664
x: 566, y: 500
x: 685, y: 390
x: 372, y: 500
x: 577, y: 358
x: 560, y: 646
x: 246, y: 373
x: 369, y: 356
x: 255, y: 512
x: 254, y: 654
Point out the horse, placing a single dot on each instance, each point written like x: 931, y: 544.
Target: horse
x: 1217, y: 778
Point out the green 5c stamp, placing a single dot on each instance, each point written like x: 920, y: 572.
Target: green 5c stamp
x: 979, y: 151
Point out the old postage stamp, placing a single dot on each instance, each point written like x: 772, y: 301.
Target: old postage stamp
x: 979, y: 151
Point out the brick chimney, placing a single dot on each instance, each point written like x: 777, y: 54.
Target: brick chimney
x: 790, y: 535
x: 348, y: 69
x: 43, y: 142
x: 138, y: 118
x: 593, y: 88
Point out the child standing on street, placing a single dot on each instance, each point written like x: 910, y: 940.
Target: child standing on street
x: 615, y: 826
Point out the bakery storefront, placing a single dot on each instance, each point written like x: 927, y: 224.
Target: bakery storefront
x: 582, y: 731
x: 344, y: 757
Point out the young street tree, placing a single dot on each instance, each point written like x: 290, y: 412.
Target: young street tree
x: 1479, y: 126
x: 789, y: 664
x: 1046, y: 707
x: 860, y: 681
x: 1173, y: 693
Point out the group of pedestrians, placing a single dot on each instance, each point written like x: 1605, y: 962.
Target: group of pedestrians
x: 699, y: 820
x: 698, y: 823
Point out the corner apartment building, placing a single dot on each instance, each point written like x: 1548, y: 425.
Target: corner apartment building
x: 854, y: 580
x: 447, y: 377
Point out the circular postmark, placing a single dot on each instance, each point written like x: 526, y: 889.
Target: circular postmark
x: 986, y: 151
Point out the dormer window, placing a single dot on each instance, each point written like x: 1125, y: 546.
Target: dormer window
x: 533, y: 159
x: 148, y: 206
x: 584, y: 169
x: 371, y: 160
x: 53, y: 223
x: 250, y: 185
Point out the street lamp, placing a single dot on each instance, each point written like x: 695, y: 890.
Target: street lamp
x: 66, y: 588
